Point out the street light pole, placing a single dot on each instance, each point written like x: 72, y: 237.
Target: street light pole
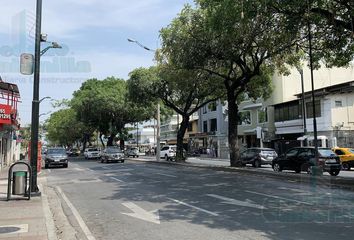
x: 312, y: 85
x: 301, y: 71
x: 158, y: 106
x: 35, y: 102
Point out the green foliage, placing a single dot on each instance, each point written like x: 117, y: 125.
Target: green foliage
x: 104, y: 105
x: 332, y: 27
x: 240, y: 43
x: 63, y: 127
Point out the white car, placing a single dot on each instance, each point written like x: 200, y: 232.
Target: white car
x: 168, y: 152
x: 92, y: 153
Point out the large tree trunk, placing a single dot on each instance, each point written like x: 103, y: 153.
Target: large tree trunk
x: 111, y: 140
x: 180, y: 135
x: 234, y: 148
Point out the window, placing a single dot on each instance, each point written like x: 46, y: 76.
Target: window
x: 339, y: 152
x: 244, y: 118
x: 213, y: 125
x: 212, y: 106
x: 292, y: 153
x: 165, y: 148
x: 204, y: 109
x: 287, y: 111
x: 262, y: 115
x: 205, y: 126
x: 309, y: 109
x: 338, y: 103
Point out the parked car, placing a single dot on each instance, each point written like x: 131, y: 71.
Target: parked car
x: 73, y: 152
x: 55, y: 157
x: 168, y: 152
x: 112, y: 154
x: 92, y: 153
x: 134, y: 152
x: 346, y: 156
x: 258, y: 156
x: 303, y: 159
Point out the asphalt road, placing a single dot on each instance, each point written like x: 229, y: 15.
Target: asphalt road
x: 142, y: 200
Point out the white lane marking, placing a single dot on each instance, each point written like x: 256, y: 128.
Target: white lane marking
x: 86, y: 181
x: 236, y: 202
x: 118, y: 180
x: 191, y: 206
x: 281, y: 198
x: 76, y: 214
x: 167, y: 175
x: 297, y: 191
x: 18, y: 228
x: 78, y: 169
x: 124, y: 169
x: 91, y: 170
x: 49, y: 170
x: 107, y: 168
x: 140, y: 213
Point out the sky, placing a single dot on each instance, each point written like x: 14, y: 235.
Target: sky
x: 93, y: 34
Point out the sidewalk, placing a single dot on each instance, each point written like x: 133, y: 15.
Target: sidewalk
x: 25, y: 219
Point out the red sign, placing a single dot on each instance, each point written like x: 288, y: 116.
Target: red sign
x: 5, y: 114
x: 39, y: 157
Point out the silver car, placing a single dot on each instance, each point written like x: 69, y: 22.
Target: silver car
x: 56, y: 157
x: 112, y: 154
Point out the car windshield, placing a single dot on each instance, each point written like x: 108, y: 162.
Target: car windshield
x: 268, y: 152
x: 113, y: 150
x: 56, y: 151
x: 93, y: 150
x: 351, y: 150
x: 326, y: 152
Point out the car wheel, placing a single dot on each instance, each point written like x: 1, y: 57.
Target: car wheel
x: 298, y: 170
x: 256, y: 164
x: 122, y: 161
x: 166, y: 157
x: 346, y: 166
x: 277, y: 167
x: 334, y: 172
x: 101, y: 160
x: 65, y: 165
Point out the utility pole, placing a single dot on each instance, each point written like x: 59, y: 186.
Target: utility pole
x: 35, y: 102
x: 158, y: 105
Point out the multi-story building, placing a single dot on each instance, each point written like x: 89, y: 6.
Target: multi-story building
x: 279, y: 121
x: 10, y: 146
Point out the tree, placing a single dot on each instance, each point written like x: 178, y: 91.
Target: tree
x: 103, y: 105
x: 63, y: 127
x: 184, y: 91
x: 333, y: 27
x: 241, y: 44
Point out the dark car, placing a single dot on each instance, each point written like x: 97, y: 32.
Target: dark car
x: 303, y: 159
x: 56, y: 157
x: 258, y: 156
x: 112, y: 154
x: 74, y: 152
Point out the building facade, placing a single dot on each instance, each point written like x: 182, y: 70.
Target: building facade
x: 10, y: 145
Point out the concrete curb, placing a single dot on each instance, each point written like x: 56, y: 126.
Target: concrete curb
x: 51, y: 230
x: 303, y: 178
